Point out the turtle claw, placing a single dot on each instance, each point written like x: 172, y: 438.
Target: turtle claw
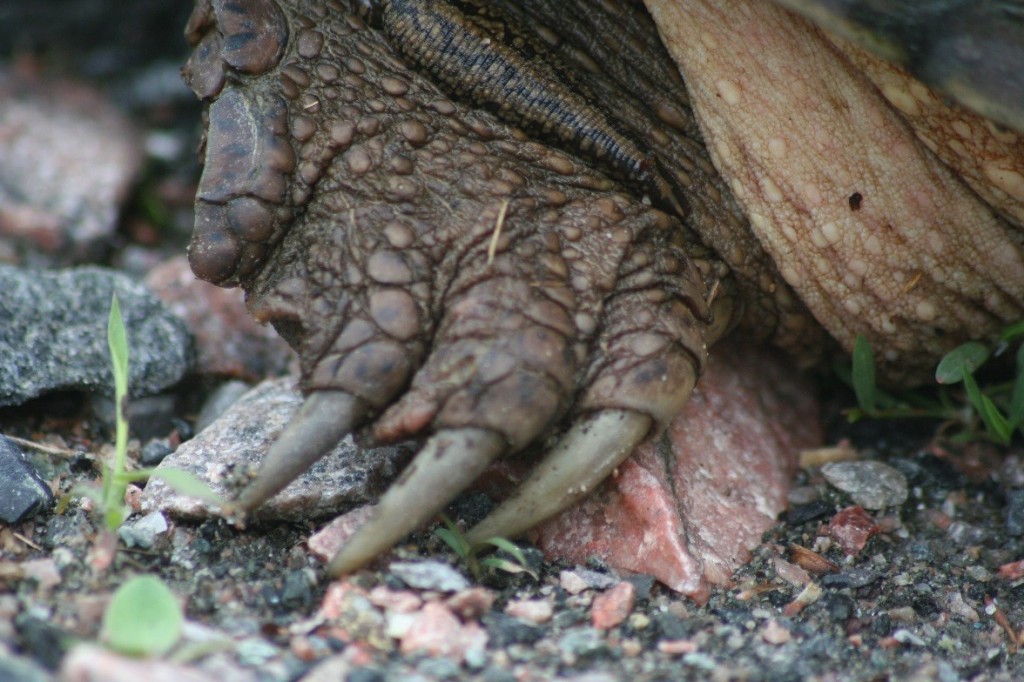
x: 447, y: 464
x: 323, y: 420
x: 583, y: 458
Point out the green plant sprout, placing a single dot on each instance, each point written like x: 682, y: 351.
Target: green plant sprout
x: 1000, y: 406
x: 110, y: 498
x: 469, y: 555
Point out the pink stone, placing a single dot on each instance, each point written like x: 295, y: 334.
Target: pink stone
x: 326, y: 542
x: 395, y: 601
x: 733, y: 451
x: 472, y: 603
x: 614, y: 606
x: 337, y: 595
x: 436, y: 631
x: 532, y: 610
x: 851, y: 528
x: 228, y: 341
x: 773, y: 633
x: 791, y: 573
x: 91, y: 663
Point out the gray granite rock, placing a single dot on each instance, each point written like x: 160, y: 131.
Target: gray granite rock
x: 53, y: 334
x: 236, y: 442
x: 872, y: 485
x: 22, y: 491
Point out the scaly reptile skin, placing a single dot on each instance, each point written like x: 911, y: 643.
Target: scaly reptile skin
x: 445, y: 273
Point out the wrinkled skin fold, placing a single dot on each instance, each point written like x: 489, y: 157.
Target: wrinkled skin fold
x: 447, y: 275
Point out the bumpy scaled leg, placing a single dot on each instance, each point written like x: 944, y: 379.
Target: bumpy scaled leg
x: 440, y: 273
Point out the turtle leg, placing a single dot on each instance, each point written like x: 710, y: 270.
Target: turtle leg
x: 441, y: 274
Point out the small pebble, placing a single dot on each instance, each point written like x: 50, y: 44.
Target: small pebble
x: 854, y: 577
x: 504, y: 630
x: 429, y: 575
x: 614, y: 606
x: 154, y: 452
x: 676, y: 647
x: 471, y: 604
x: 581, y: 643
x: 773, y: 633
x: 144, y: 532
x: 532, y: 610
x: 870, y: 484
x: 23, y: 492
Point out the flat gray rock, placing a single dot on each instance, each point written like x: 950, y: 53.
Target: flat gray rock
x: 53, y: 334
x: 871, y: 484
x: 238, y: 441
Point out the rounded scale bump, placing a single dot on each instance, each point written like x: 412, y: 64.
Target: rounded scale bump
x: 402, y: 188
x: 396, y: 87
x: 215, y: 250
x: 310, y: 103
x: 199, y: 21
x: 303, y: 127
x: 355, y: 65
x: 310, y: 172
x: 375, y: 372
x: 204, y: 72
x: 559, y: 163
x: 342, y: 134
x: 670, y: 115
x: 519, y: 406
x: 368, y: 126
x: 396, y: 313
x: 255, y: 33
x: 297, y: 74
x: 399, y: 235
x: 358, y: 161
x: 445, y: 107
x: 250, y: 219
x: 288, y: 88
x: 388, y: 267
x: 310, y: 43
x: 328, y: 73
x: 414, y: 132
x: 402, y: 165
x: 244, y: 154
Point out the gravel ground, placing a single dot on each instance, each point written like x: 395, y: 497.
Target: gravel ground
x: 933, y: 593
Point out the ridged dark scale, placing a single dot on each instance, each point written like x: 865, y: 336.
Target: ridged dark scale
x: 476, y: 56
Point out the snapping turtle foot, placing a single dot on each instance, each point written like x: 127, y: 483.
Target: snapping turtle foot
x: 441, y: 274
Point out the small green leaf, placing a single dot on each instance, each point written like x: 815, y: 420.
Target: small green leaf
x: 143, y: 618
x: 995, y: 422
x: 113, y: 488
x: 509, y: 548
x: 117, y: 340
x: 508, y: 566
x: 964, y: 358
x: 186, y: 483
x: 454, y: 539
x: 863, y: 375
x: 1013, y: 332
x: 114, y: 515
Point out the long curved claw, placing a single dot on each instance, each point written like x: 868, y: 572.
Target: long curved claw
x: 583, y: 458
x: 324, y: 419
x: 446, y: 465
